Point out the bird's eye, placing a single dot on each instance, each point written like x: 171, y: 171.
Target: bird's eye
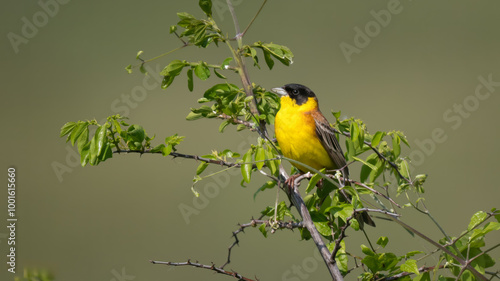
x: 295, y: 91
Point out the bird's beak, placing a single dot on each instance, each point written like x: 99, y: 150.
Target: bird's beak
x: 280, y: 92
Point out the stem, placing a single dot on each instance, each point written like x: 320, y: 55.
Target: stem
x: 254, y: 17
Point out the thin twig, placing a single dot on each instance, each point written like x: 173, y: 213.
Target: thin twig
x: 393, y: 165
x: 253, y: 223
x: 204, y: 266
x: 253, y: 19
x: 249, y: 125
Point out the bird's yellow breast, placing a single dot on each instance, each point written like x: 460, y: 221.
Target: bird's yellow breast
x: 295, y: 131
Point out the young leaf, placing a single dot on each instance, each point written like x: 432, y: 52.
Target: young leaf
x: 410, y: 266
x: 377, y: 138
x: 477, y: 219
x: 201, y: 168
x: 396, y: 145
x: 101, y: 138
x: 77, y: 131
x: 67, y: 128
x: 263, y: 230
x: 225, y: 63
x: 218, y: 74
x: 246, y: 166
x: 202, y: 71
x: 260, y: 156
x: 367, y: 251
x: 313, y: 181
x: 206, y: 6
x: 382, y: 241
x: 223, y: 125
x: 174, y: 68
x: 193, y: 116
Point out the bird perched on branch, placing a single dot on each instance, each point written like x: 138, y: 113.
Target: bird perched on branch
x: 305, y: 135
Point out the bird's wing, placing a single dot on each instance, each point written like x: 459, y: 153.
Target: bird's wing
x: 326, y: 135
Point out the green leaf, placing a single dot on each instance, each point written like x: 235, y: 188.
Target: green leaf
x: 396, y: 145
x: 157, y: 148
x: 404, y: 168
x: 225, y: 63
x: 355, y: 136
x: 77, y: 131
x: 101, y: 138
x: 260, y: 156
x: 190, y: 79
x: 174, y: 68
x: 137, y: 133
x: 269, y: 60
x: 267, y: 185
x: 223, y: 125
x: 167, y: 81
x: 83, y: 139
x: 193, y: 116
x: 263, y: 230
x: 218, y: 74
x: 166, y: 150
x: 313, y: 181
x: 202, y: 71
x: 85, y: 154
x: 173, y: 28
x: 206, y: 6
x: 341, y: 257
x: 201, y: 168
x: 372, y: 167
x: 323, y: 228
x: 367, y: 251
x: 410, y: 266
x: 143, y: 69
x: 336, y: 114
x: 476, y: 219
x: 67, y: 128
x: 366, y: 169
x: 129, y: 69
x: 377, y: 138
x: 139, y: 54
x: 271, y: 164
x: 246, y: 166
x: 382, y: 241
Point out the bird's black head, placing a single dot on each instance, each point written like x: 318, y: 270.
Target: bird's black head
x: 297, y: 92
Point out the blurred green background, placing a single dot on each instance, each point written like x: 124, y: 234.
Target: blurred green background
x: 98, y: 223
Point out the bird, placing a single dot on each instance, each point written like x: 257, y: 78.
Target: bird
x: 305, y: 135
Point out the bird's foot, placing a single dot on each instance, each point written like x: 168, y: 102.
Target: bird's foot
x: 290, y: 182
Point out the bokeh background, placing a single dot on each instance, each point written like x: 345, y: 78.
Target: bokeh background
x: 106, y: 222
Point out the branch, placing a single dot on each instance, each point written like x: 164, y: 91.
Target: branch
x: 253, y: 223
x: 465, y: 264
x: 393, y: 165
x: 295, y: 197
x: 253, y: 19
x: 187, y: 156
x: 403, y: 274
x: 204, y: 266
x: 249, y: 125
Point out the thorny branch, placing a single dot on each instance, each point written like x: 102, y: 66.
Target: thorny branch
x: 253, y: 223
x: 205, y: 266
